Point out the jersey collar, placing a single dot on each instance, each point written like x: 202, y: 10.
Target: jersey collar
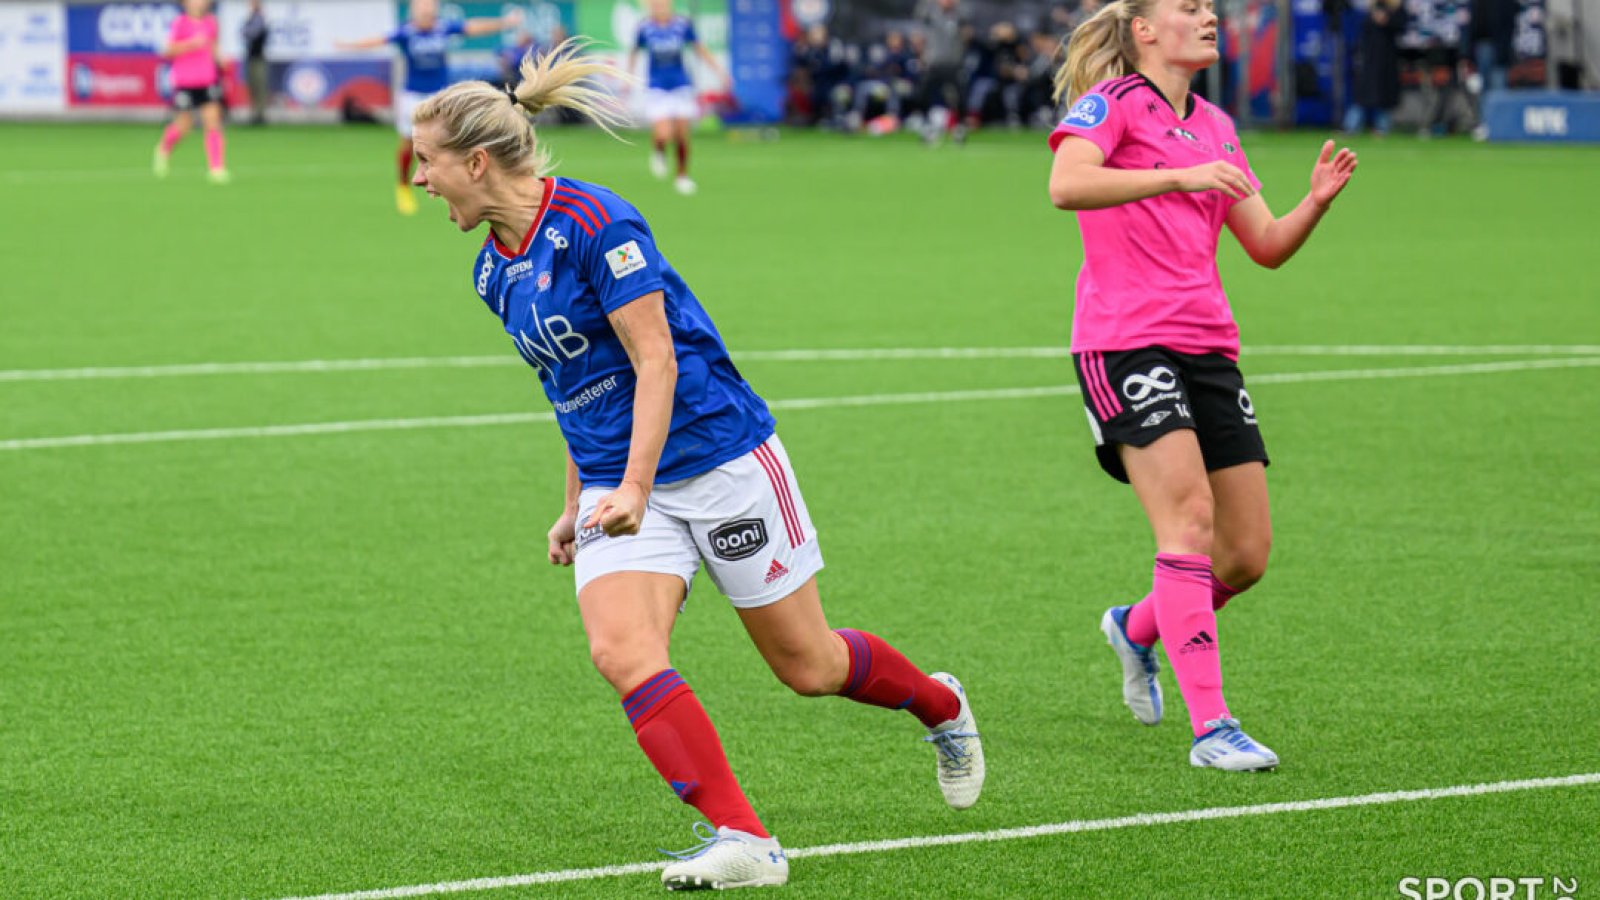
x: 533, y: 230
x: 1188, y: 109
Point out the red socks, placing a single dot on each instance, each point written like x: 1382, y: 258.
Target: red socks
x: 682, y: 744
x: 881, y: 676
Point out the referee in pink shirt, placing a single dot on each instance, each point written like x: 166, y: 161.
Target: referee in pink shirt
x: 196, y: 84
x: 1154, y: 172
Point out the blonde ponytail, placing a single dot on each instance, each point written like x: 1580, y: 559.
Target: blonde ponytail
x: 1100, y: 48
x: 476, y: 114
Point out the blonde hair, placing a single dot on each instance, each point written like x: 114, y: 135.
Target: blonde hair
x: 1100, y: 48
x: 476, y: 114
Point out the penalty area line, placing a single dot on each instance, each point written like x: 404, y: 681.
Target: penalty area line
x: 1139, y: 820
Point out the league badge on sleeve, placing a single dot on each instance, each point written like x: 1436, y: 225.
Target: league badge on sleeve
x: 1088, y: 112
x: 625, y: 259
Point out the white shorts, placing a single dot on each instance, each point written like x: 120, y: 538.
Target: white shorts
x: 678, y: 103
x: 745, y: 519
x: 406, y: 103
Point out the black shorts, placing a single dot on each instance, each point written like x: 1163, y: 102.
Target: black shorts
x: 185, y: 99
x: 1135, y: 396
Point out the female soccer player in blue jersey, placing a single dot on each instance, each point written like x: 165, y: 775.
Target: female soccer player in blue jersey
x: 671, y: 460
x: 424, y: 40
x: 669, y: 102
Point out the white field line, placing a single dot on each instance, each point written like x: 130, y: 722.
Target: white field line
x: 1021, y: 393
x: 839, y: 355
x: 1004, y: 834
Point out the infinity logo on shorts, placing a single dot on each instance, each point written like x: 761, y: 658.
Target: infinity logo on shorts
x: 1138, y: 387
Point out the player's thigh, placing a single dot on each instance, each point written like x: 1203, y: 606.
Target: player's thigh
x: 1242, y: 526
x: 628, y: 618
x: 1169, y: 478
x: 751, y: 526
x: 793, y: 636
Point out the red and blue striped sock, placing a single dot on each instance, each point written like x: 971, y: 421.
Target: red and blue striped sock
x: 675, y: 733
x: 881, y: 676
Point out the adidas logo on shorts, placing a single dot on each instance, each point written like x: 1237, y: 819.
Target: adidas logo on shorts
x: 775, y: 571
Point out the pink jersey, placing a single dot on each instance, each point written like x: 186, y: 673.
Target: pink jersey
x: 1149, y: 273
x: 194, y: 68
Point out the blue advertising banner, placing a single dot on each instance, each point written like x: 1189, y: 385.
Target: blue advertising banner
x: 759, y: 57
x: 119, y: 27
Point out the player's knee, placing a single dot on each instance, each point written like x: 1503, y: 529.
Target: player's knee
x: 807, y: 680
x: 620, y: 663
x: 1250, y: 566
x: 1193, y: 521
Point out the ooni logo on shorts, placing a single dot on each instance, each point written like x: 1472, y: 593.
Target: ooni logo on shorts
x: 738, y: 539
x: 1089, y: 111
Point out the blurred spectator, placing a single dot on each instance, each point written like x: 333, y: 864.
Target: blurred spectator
x: 1377, y: 72
x: 1488, y: 46
x: 942, y: 54
x: 255, y: 33
x: 980, y: 73
x: 823, y: 61
x: 1441, y: 63
x: 888, y: 78
x: 522, y: 45
x: 1038, y: 107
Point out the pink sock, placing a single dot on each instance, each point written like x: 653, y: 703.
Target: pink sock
x: 1221, y: 593
x: 170, y: 138
x: 1188, y: 628
x: 214, y: 149
x: 1141, y: 624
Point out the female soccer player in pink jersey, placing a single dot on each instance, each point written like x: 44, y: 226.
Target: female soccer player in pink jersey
x: 196, y: 84
x: 672, y: 460
x: 1154, y: 172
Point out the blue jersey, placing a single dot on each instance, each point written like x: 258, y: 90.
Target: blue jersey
x: 427, y: 69
x: 588, y: 254
x: 666, y: 44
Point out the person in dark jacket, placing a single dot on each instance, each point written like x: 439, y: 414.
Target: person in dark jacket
x: 1377, y: 81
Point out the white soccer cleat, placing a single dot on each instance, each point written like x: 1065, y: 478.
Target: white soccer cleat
x: 1225, y: 747
x: 685, y: 185
x: 658, y: 165
x: 1141, y: 690
x: 960, y: 761
x: 726, y: 859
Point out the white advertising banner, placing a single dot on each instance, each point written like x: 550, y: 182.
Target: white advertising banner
x: 33, y: 65
x: 302, y: 29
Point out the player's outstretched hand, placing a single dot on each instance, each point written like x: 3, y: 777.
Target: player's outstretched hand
x: 1331, y: 173
x: 1216, y: 176
x: 620, y: 511
x: 563, y: 536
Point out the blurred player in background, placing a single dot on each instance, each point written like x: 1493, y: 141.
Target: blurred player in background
x: 669, y: 100
x: 1154, y: 173
x: 424, y: 40
x: 671, y: 460
x: 196, y: 84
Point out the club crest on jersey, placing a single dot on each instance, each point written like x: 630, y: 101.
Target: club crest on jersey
x: 1229, y: 147
x: 1088, y: 112
x: 543, y: 281
x: 625, y: 259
